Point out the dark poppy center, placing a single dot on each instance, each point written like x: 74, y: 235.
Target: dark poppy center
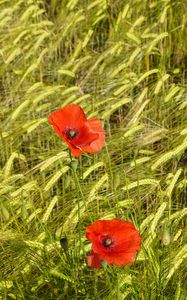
x: 107, y: 242
x: 71, y: 133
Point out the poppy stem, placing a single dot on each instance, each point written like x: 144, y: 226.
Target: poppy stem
x: 80, y: 205
x: 70, y: 155
x: 77, y: 182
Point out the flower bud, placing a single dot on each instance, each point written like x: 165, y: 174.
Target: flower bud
x: 166, y: 238
x: 116, y: 181
x: 64, y: 243
x: 74, y: 165
x: 104, y: 264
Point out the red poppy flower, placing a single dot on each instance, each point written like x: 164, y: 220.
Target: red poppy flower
x: 114, y: 241
x: 81, y: 135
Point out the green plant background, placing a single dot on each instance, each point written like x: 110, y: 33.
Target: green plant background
x: 123, y: 62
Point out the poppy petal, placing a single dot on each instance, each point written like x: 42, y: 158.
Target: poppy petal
x: 121, y: 259
x: 93, y: 260
x: 75, y: 151
x: 85, y: 137
x: 131, y: 241
x: 96, y: 145
x: 71, y: 116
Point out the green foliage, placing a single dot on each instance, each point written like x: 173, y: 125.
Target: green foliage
x: 125, y: 63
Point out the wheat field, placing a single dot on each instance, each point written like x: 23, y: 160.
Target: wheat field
x: 125, y: 63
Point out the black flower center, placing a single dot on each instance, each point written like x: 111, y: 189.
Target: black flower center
x: 71, y: 133
x: 107, y: 242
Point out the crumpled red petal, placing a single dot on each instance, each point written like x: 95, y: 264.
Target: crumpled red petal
x: 93, y: 260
